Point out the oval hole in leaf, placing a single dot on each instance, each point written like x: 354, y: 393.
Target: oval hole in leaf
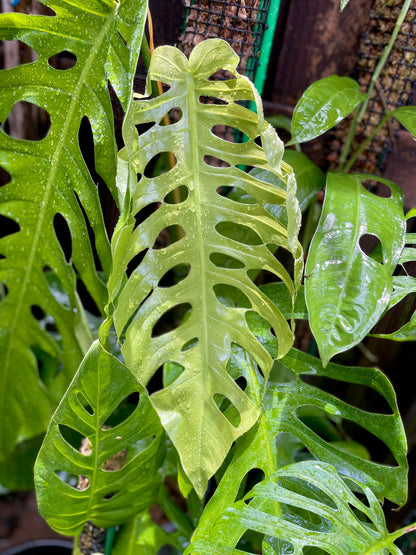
x: 178, y: 195
x: 239, y: 195
x: 116, y: 462
x: 37, y: 122
x: 63, y: 234
x: 238, y: 232
x: 5, y: 177
x: 17, y: 53
x: 171, y: 319
x: 173, y: 116
x: 123, y: 411
x: 175, y: 275
x: 227, y: 409
x: 221, y: 75
x: 221, y: 260
x: 229, y: 134
x: 55, y: 287
x: 145, y: 212
x: 215, y: 162
x: 190, y: 344
x: 71, y: 436
x: 371, y: 246
x: 4, y: 291
x: 135, y: 262
x: 308, y: 490
x: 72, y: 480
x: 212, y: 100
x: 8, y: 226
x: 359, y: 396
x: 62, y: 61
x: 156, y: 381
x: 377, y: 188
x: 110, y: 495
x: 85, y: 404
x: 319, y: 422
x: 231, y: 296
x: 160, y: 164
x: 252, y: 478
x: 171, y: 372
x: 37, y: 312
x: 168, y: 236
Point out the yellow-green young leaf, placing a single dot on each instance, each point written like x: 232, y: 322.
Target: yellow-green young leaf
x: 49, y: 178
x: 100, y: 456
x: 323, y: 105
x: 220, y: 242
x: 303, y: 505
x: 344, y: 3
x: 346, y: 289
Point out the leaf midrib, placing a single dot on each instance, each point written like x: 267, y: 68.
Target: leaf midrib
x: 48, y: 191
x: 193, y: 132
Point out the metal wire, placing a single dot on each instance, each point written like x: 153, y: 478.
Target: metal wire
x: 239, y: 22
x: 396, y: 83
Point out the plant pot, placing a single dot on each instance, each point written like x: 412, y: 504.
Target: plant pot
x: 41, y: 547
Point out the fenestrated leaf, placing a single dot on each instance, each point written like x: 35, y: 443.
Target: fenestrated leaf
x: 49, y: 177
x: 118, y: 463
x: 407, y: 117
x: 347, y: 290
x: 280, y: 432
x: 307, y: 504
x: 213, y: 229
x: 324, y: 104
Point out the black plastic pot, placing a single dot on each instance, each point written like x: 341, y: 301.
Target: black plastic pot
x: 41, y: 547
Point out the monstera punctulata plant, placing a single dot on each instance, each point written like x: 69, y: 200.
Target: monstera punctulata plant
x: 189, y: 376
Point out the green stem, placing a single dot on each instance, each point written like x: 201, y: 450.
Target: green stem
x: 174, y: 514
x: 388, y: 541
x: 365, y: 144
x: 109, y: 540
x: 382, y: 62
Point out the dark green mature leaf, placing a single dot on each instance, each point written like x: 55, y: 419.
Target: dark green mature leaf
x: 214, y: 230
x: 302, y: 505
x: 119, y: 459
x: 347, y: 290
x: 281, y: 431
x: 49, y: 177
x: 407, y: 117
x: 324, y: 104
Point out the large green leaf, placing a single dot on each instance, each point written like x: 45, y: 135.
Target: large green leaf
x: 347, y: 290
x: 324, y: 104
x: 49, y: 177
x: 214, y: 231
x: 115, y: 492
x: 281, y: 430
x: 302, y: 505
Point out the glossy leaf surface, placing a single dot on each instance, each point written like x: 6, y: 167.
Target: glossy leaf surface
x: 211, y: 230
x: 344, y: 3
x: 281, y: 434
x: 114, y: 474
x: 324, y: 104
x: 49, y: 177
x: 302, y: 505
x: 347, y: 290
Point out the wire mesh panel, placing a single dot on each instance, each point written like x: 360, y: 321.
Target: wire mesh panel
x: 240, y: 22
x: 393, y: 88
